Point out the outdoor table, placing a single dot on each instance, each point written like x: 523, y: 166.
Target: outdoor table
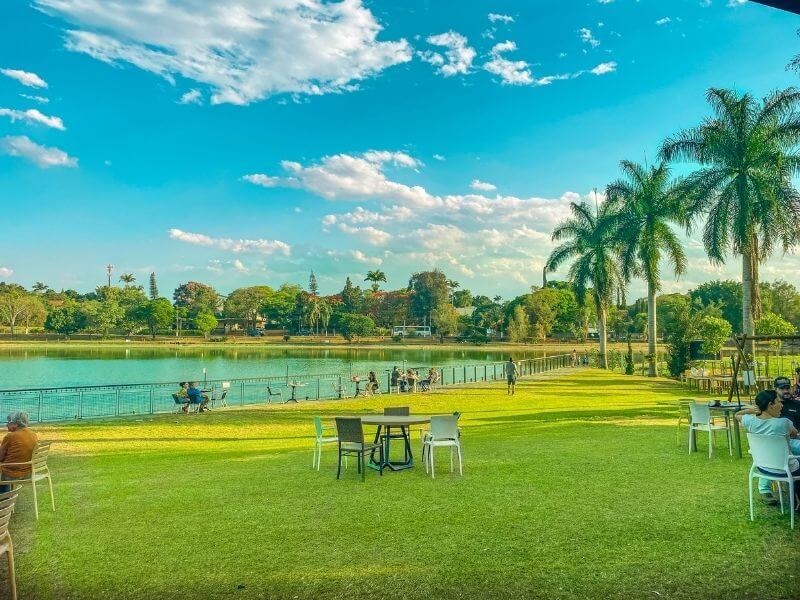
x: 294, y: 385
x: 728, y: 411
x: 388, y: 422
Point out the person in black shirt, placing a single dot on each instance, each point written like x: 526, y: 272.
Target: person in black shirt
x: 791, y: 406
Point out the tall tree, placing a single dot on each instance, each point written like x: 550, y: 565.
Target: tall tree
x: 588, y: 240
x: 429, y: 291
x: 646, y: 205
x: 375, y: 277
x: 196, y: 296
x: 313, y: 288
x: 127, y: 279
x: 39, y: 287
x: 153, y: 287
x: 247, y: 303
x: 747, y: 152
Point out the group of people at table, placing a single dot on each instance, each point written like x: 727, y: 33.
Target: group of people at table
x: 190, y: 394
x: 776, y: 412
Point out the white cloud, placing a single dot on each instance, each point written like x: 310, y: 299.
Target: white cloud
x: 482, y: 186
x: 32, y: 116
x: 605, y: 1
x: 494, y: 18
x: 259, y: 246
x: 346, y: 177
x: 244, y: 52
x: 587, y: 37
x: 604, y: 68
x: 191, y: 97
x: 5, y: 272
x: 43, y: 156
x: 239, y: 266
x: 457, y: 58
x: 735, y: 3
x: 664, y: 21
x: 40, y: 99
x: 25, y: 78
x: 510, y: 72
x: 369, y: 234
x: 400, y: 159
x: 439, y: 157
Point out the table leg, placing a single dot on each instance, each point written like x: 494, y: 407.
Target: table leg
x: 737, y: 438
x: 377, y: 439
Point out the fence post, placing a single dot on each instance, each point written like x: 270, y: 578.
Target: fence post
x: 80, y: 404
x: 454, y: 376
x: 485, y: 373
x: 151, y: 400
x: 241, y: 395
x: 317, y: 388
x: 40, y: 407
x: 340, y: 387
x: 116, y: 409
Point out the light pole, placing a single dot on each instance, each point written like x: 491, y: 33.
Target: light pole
x: 109, y: 270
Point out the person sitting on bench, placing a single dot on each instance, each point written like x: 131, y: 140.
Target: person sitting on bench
x: 196, y: 396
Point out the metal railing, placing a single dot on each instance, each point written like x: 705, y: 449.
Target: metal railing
x: 97, y: 401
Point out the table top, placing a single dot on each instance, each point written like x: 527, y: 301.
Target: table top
x: 395, y: 420
x: 728, y: 407
x: 296, y: 384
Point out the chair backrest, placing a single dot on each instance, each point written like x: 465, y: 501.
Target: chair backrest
x: 40, y: 454
x: 769, y: 451
x: 226, y: 385
x: 177, y: 399
x: 701, y: 413
x: 317, y: 425
x: 444, y: 427
x: 8, y: 498
x: 270, y: 392
x: 5, y: 517
x: 349, y: 429
x: 457, y: 414
x: 224, y: 393
x: 397, y: 411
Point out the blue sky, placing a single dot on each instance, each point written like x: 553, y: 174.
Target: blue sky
x: 248, y: 142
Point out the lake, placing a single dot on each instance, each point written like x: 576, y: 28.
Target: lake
x: 74, y: 366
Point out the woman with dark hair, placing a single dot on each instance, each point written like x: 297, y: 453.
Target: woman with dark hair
x: 765, y: 418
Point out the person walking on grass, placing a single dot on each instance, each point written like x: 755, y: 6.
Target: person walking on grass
x: 511, y: 375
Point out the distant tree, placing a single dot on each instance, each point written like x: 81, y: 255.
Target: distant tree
x: 153, y: 287
x: 445, y: 319
x: 518, y: 325
x: 127, y: 278
x: 13, y: 304
x: 313, y: 288
x: 430, y: 290
x: 785, y: 300
x: 102, y: 316
x: 155, y: 315
x: 352, y: 297
x: 727, y: 295
x: 279, y: 307
x: 66, y: 319
x: 247, y: 303
x: 540, y: 307
x: 353, y: 326
x: 714, y: 331
x: 375, y: 277
x: 772, y: 324
x: 39, y: 288
x: 462, y: 298
x: 205, y: 321
x: 196, y: 297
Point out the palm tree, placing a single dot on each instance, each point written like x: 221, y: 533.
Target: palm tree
x: 375, y: 277
x: 127, y: 279
x: 39, y: 287
x: 645, y: 204
x: 748, y: 155
x: 589, y: 239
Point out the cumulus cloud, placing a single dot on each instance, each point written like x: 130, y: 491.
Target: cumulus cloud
x: 32, y: 116
x: 259, y: 246
x: 587, y: 37
x: 439, y: 157
x: 482, y: 186
x: 663, y: 21
x: 191, y: 97
x: 43, y: 156
x: 244, y: 52
x: 347, y: 177
x: 494, y: 18
x: 26, y: 78
x: 458, y: 55
x: 371, y: 235
x: 5, y: 272
x: 511, y: 72
x: 604, y: 68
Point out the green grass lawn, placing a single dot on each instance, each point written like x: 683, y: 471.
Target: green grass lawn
x: 573, y: 488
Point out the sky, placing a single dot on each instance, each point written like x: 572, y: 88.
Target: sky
x: 249, y: 142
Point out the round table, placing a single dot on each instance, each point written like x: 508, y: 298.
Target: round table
x: 388, y: 422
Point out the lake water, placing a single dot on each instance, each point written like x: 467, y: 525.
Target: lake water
x: 61, y: 367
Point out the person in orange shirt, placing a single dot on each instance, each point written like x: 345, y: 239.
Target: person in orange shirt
x: 17, y: 447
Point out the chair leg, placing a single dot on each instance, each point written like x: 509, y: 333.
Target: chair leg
x: 380, y: 454
x: 780, y: 494
x: 35, y: 499
x: 314, y: 455
x: 451, y: 460
x: 52, y: 497
x: 710, y: 443
x: 750, y: 489
x: 339, y: 465
x: 361, y: 465
x: 430, y: 458
x: 460, y: 464
x: 791, y: 502
x: 12, y: 576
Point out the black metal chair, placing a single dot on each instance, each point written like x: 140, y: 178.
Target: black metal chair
x: 350, y: 432
x: 181, y: 404
x: 271, y: 394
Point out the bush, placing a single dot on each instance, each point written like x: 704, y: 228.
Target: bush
x: 286, y: 338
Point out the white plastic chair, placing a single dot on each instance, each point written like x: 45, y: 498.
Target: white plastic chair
x: 223, y: 402
x: 320, y: 439
x: 701, y: 420
x: 39, y: 472
x: 7, y: 501
x: 443, y: 433
x: 340, y: 390
x: 772, y: 452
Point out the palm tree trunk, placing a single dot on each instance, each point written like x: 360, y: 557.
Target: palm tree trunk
x: 754, y: 260
x: 748, y: 326
x: 652, y: 369
x: 601, y: 326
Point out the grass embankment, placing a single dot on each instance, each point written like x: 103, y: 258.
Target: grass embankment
x: 573, y: 488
